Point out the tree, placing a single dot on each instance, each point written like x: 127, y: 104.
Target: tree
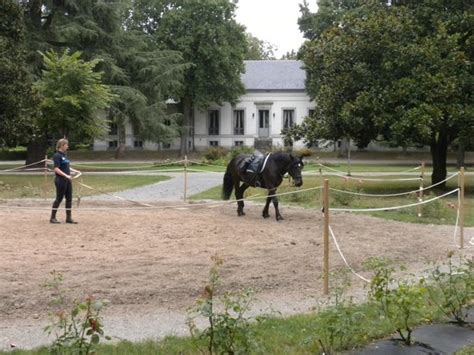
x: 259, y: 49
x: 17, y: 99
x: 397, y: 71
x: 211, y: 42
x: 72, y: 95
x: 330, y: 15
x: 140, y: 75
x: 293, y: 55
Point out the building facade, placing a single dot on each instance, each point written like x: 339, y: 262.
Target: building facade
x: 275, y: 99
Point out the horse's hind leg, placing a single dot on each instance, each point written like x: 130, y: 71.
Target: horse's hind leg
x: 239, y: 194
x: 277, y: 211
x: 265, y: 213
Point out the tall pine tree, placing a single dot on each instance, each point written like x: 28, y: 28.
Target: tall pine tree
x: 141, y: 76
x: 212, y: 43
x: 17, y: 99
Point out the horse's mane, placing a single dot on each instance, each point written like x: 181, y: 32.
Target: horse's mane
x: 280, y: 156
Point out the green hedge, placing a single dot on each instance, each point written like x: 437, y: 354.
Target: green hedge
x: 12, y: 154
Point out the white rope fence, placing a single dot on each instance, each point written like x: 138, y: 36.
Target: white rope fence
x: 344, y: 258
x: 347, y: 177
x: 395, y: 194
x: 154, y: 165
x: 210, y: 204
x: 400, y: 207
x: 25, y: 166
x: 394, y: 207
x: 390, y: 173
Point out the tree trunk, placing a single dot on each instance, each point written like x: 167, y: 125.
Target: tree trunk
x: 186, y: 127
x: 120, y: 151
x: 35, y: 151
x: 439, y: 153
x: 343, y: 148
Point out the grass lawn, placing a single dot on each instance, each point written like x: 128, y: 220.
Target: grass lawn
x: 437, y: 212
x: 36, y: 186
x: 468, y: 350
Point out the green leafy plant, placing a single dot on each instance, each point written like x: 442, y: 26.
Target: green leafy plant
x: 239, y: 150
x: 402, y: 302
x: 453, y: 288
x: 338, y: 324
x: 215, y: 153
x: 229, y: 330
x: 79, y: 330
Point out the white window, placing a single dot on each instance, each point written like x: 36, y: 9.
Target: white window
x: 288, y: 119
x: 138, y: 144
x: 113, y: 129
x: 311, y: 112
x: 239, y: 122
x: 214, y: 143
x: 113, y: 144
x: 213, y: 122
x: 238, y: 143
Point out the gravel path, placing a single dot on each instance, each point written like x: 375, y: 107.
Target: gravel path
x: 170, y: 190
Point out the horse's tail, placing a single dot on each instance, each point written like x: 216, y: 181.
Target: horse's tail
x: 228, y: 184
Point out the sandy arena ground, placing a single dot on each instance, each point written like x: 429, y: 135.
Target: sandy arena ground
x: 160, y: 259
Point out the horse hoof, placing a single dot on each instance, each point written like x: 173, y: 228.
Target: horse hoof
x: 279, y: 218
x: 265, y: 215
x: 240, y: 214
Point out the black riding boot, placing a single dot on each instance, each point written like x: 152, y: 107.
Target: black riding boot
x: 53, y: 213
x: 69, y: 218
x: 69, y: 213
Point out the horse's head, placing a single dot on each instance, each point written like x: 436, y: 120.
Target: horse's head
x: 296, y: 166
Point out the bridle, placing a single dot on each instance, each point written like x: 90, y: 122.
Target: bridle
x: 294, y: 172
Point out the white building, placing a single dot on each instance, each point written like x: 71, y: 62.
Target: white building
x: 275, y: 99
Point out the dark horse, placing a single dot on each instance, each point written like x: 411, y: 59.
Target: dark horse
x: 277, y: 165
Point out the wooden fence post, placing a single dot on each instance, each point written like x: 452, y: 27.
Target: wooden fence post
x: 321, y: 195
x: 420, y: 191
x: 185, y: 177
x: 326, y: 237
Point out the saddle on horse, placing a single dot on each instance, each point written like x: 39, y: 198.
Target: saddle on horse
x: 252, y: 167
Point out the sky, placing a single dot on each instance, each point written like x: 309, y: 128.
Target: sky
x: 274, y: 21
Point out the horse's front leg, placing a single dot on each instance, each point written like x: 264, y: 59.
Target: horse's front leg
x: 265, y: 213
x: 275, y: 204
x: 239, y: 194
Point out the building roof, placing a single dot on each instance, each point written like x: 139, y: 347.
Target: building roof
x: 281, y: 75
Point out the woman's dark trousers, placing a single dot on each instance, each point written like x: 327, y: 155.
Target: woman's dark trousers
x: 63, y: 189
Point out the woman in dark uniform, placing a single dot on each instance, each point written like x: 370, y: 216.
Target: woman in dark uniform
x: 63, y: 181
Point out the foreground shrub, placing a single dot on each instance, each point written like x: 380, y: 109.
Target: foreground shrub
x: 453, y: 288
x: 77, y: 329
x: 228, y: 330
x: 337, y: 325
x: 403, y: 302
x: 215, y: 153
